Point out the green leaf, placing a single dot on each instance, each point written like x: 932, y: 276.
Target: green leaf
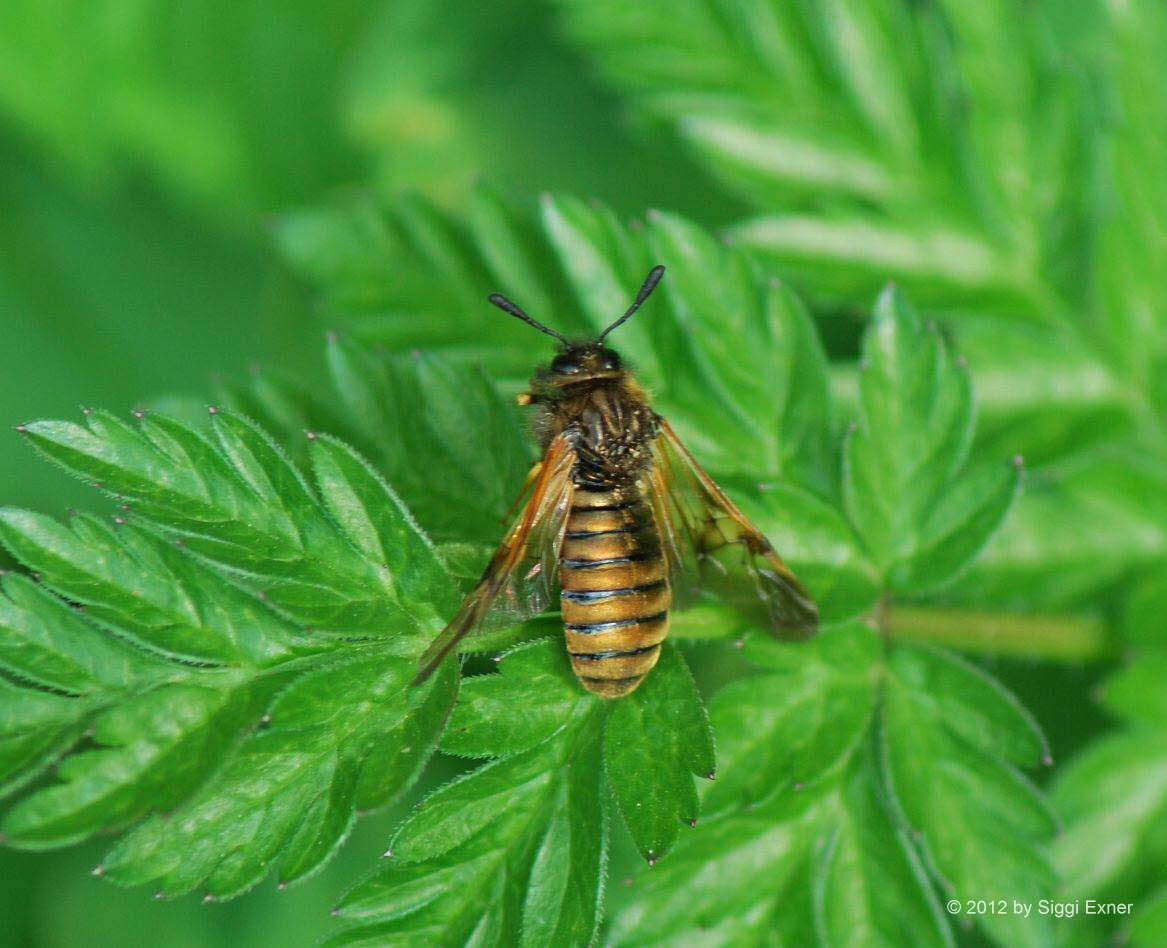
x: 742, y: 62
x: 228, y: 555
x: 1041, y: 393
x: 870, y: 885
x: 838, y: 121
x: 155, y: 748
x: 602, y: 259
x: 798, y: 836
x: 1113, y: 798
x: 485, y: 722
x: 421, y: 414
x: 239, y: 502
x: 35, y: 729
x: 662, y: 721
x: 913, y: 431
x: 1076, y: 530
x: 514, y: 852
x: 734, y: 358
x: 1113, y: 794
x: 797, y: 723
x: 512, y: 251
x: 735, y: 881
x: 972, y: 704
x: 349, y: 734
x: 48, y: 643
x: 805, y: 435
x: 748, y: 351
x: 949, y: 738
x: 1132, y: 248
x: 148, y: 589
x: 922, y: 514
x: 955, y: 531
x: 821, y: 864
x: 379, y: 525
x: 157, y: 726
x: 280, y: 403
x: 381, y: 281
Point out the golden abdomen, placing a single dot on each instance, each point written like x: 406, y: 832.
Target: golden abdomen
x: 615, y: 590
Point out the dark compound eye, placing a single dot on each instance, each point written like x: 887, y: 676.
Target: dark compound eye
x: 565, y: 365
x: 609, y: 360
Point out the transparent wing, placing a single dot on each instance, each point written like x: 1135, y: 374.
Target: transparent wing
x: 519, y: 580
x: 711, y: 545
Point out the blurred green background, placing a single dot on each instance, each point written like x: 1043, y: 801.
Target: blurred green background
x: 1002, y: 160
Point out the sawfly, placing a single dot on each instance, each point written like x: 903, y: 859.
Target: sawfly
x: 622, y: 519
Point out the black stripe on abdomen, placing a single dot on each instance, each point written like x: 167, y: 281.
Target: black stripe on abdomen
x: 588, y: 534
x: 580, y: 507
x: 609, y: 561
x: 614, y: 653
x: 604, y: 595
x: 597, y: 628
x: 625, y: 683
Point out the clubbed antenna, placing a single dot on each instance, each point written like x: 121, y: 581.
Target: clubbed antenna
x: 509, y: 307
x: 650, y: 283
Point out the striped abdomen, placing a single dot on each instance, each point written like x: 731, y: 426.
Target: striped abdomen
x: 615, y: 590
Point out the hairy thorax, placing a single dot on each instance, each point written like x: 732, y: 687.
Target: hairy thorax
x: 612, y: 426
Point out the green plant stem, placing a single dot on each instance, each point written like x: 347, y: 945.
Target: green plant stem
x: 1054, y: 638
